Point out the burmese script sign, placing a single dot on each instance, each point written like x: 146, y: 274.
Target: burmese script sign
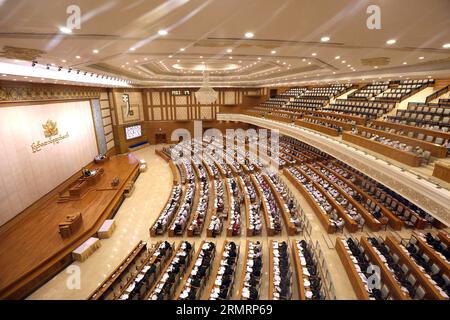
x: 51, y: 133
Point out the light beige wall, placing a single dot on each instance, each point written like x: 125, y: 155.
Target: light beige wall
x: 26, y: 176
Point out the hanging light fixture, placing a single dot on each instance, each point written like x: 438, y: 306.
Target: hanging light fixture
x: 206, y: 94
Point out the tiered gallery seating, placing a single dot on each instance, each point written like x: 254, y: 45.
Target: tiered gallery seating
x: 369, y: 91
x: 366, y: 109
x: 293, y: 92
x: 424, y: 115
x: 404, y: 89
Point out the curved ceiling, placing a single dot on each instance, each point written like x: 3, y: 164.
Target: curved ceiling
x: 124, y: 38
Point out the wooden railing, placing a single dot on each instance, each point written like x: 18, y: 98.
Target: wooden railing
x: 437, y: 94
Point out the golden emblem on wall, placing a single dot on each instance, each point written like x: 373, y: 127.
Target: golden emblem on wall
x: 50, y: 128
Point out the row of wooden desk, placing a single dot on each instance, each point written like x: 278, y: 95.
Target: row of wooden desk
x: 373, y: 223
x: 323, y: 217
x: 436, y: 150
x: 344, y: 125
x: 266, y: 211
x: 102, y: 290
x: 318, y: 127
x: 404, y: 157
x: 442, y: 171
x: 394, y: 222
x: 414, y: 129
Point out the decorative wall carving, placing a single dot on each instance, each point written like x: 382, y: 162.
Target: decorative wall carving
x: 21, y: 53
x: 419, y: 191
x: 22, y: 93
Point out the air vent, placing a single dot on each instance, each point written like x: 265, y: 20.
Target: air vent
x: 381, y: 61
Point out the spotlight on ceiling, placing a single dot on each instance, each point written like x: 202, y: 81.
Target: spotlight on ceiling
x: 325, y: 39
x: 229, y: 50
x: 391, y: 41
x: 446, y: 46
x: 163, y: 32
x: 314, y: 54
x: 273, y: 52
x: 95, y: 51
x: 249, y: 35
x: 132, y: 49
x: 65, y: 30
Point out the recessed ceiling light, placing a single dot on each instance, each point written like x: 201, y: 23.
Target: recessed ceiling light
x: 132, y: 49
x: 95, y: 51
x: 249, y: 35
x: 63, y: 61
x: 65, y: 30
x: 314, y: 54
x: 170, y: 56
x: 273, y: 52
x: 391, y: 41
x: 405, y: 62
x: 446, y: 46
x: 421, y: 58
x: 325, y: 39
x: 229, y: 50
x: 182, y: 49
x: 78, y: 57
x: 163, y: 32
x: 309, y: 62
x: 375, y: 67
x: 337, y: 57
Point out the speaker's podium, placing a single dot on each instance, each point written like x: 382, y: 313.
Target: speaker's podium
x: 82, y: 185
x: 70, y: 225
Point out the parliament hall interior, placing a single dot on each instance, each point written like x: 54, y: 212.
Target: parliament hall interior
x: 224, y: 150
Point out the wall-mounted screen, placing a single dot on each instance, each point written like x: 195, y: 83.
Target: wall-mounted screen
x: 133, y: 132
